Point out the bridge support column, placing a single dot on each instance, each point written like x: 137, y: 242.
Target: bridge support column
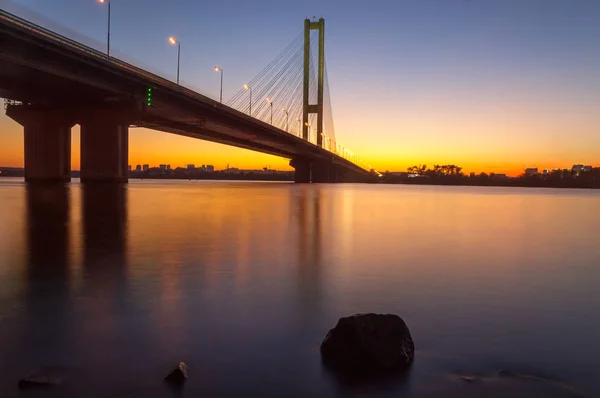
x: 104, y: 147
x: 303, y: 170
x: 323, y: 172
x: 47, y: 139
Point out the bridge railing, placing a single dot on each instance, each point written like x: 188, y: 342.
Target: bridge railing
x: 39, y: 30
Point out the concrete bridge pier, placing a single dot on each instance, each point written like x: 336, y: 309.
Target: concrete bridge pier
x: 315, y: 171
x: 303, y: 170
x: 104, y: 141
x: 47, y: 140
x: 104, y: 147
x: 324, y: 172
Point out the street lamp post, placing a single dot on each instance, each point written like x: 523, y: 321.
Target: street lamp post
x: 287, y: 115
x: 174, y: 41
x: 271, y: 103
x: 247, y: 87
x: 108, y: 34
x: 217, y: 69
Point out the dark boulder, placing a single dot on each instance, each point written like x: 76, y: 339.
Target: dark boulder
x: 369, y: 342
x: 178, y: 375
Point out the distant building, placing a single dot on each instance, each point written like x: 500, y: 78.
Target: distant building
x: 168, y: 167
x: 577, y: 168
x: 498, y: 176
x: 546, y: 171
x: 210, y: 168
x: 138, y: 168
x: 587, y: 168
x: 163, y: 167
x: 191, y: 166
x: 129, y: 167
x: 531, y: 171
x: 146, y: 167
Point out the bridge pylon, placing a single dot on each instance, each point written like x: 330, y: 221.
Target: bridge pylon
x: 307, y: 107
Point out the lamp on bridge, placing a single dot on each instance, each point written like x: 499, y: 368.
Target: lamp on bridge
x: 271, y: 103
x: 217, y: 69
x: 248, y: 88
x: 174, y: 41
x: 287, y: 115
x: 108, y: 38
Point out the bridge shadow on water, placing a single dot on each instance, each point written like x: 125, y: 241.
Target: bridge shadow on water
x: 61, y: 288
x: 47, y: 268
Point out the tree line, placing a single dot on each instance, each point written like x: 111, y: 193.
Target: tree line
x: 453, y: 175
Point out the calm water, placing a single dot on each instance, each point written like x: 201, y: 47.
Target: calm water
x: 243, y: 280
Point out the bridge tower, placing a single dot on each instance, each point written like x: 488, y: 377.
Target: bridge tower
x: 307, y: 107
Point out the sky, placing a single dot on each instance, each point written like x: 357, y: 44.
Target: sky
x: 489, y: 85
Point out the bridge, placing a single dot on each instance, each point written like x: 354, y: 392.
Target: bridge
x: 52, y: 82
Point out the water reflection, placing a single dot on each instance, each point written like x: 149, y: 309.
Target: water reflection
x: 47, y: 231
x: 104, y: 289
x: 242, y: 281
x: 104, y: 227
x: 309, y: 220
x: 47, y: 271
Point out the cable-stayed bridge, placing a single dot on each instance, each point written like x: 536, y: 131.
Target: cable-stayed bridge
x: 53, y: 82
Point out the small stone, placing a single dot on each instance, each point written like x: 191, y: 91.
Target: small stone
x: 178, y: 375
x: 42, y: 378
x: 469, y: 379
x: 506, y: 373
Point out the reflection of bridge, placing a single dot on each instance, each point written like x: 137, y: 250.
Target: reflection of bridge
x: 59, y: 83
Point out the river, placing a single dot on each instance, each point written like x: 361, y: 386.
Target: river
x: 242, y: 280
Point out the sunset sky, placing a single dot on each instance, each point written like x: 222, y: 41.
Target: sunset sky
x: 490, y: 85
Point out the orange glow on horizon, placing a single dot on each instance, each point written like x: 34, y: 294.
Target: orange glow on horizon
x: 154, y: 148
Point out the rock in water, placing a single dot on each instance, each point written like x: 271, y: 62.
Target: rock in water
x: 178, y: 375
x: 49, y: 376
x: 369, y: 342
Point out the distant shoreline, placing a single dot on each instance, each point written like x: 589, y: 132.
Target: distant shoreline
x: 503, y: 184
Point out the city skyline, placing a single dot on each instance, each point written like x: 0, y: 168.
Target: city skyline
x: 495, y: 87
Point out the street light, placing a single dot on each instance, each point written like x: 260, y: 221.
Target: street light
x: 108, y: 38
x: 247, y: 87
x: 286, y: 118
x: 307, y: 128
x: 174, y: 41
x: 271, y: 103
x: 217, y: 69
